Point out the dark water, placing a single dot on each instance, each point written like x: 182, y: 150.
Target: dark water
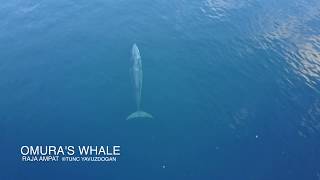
x: 234, y: 86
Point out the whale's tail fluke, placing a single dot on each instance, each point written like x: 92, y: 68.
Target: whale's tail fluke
x: 139, y: 114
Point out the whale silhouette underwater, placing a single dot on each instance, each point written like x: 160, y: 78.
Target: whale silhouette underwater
x: 137, y: 76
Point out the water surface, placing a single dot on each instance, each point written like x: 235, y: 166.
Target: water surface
x: 233, y: 86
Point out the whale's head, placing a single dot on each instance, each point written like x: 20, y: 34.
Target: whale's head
x: 135, y: 52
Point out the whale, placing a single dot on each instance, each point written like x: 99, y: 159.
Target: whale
x: 137, y: 78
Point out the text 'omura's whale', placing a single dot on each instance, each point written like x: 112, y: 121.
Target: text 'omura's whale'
x: 137, y: 75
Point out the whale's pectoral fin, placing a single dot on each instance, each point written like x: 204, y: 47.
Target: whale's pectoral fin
x: 139, y: 114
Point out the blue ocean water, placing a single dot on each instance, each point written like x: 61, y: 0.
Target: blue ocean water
x: 233, y: 86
